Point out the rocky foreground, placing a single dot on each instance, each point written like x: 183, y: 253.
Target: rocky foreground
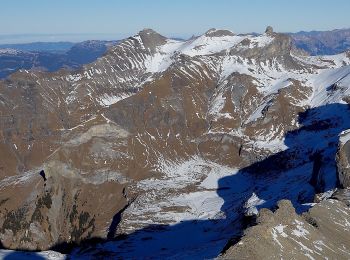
x: 321, y: 233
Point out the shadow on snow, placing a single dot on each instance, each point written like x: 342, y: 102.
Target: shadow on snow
x: 305, y: 168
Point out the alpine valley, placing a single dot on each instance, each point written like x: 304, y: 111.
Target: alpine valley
x: 223, y: 145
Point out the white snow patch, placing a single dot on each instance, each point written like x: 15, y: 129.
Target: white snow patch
x: 344, y: 137
x: 323, y: 82
x: 205, y: 45
x: 300, y: 231
x: 49, y: 255
x: 162, y: 59
x: 280, y: 230
x: 260, y: 41
x: 252, y: 203
x: 9, y: 51
x: 201, y: 202
x: 107, y: 100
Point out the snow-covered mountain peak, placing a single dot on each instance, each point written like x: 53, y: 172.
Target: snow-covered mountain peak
x: 205, y: 45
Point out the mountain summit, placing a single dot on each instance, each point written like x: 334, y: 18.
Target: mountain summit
x: 218, y: 33
x: 151, y: 38
x: 269, y: 30
x: 167, y: 148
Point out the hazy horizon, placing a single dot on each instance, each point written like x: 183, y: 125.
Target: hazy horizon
x: 77, y: 37
x: 70, y: 37
x: 111, y: 20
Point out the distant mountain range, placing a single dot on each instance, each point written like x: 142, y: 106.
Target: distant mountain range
x: 40, y: 46
x: 322, y: 42
x: 52, y: 56
x: 49, y: 56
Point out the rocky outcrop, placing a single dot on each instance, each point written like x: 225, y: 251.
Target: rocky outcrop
x: 343, y: 160
x: 321, y: 233
x: 218, y: 33
x: 152, y: 39
x: 269, y: 30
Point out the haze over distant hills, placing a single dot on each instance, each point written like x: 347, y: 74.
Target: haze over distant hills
x: 323, y: 42
x: 51, y: 56
x: 39, y: 46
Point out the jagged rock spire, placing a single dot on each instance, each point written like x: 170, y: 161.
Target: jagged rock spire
x: 269, y: 30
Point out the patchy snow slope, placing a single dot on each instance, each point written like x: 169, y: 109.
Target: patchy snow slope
x: 19, y: 255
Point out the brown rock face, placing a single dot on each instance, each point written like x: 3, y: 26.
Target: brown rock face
x: 343, y: 165
x: 152, y: 39
x: 149, y: 134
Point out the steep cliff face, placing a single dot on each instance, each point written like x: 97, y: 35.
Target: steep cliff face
x: 165, y: 134
x: 343, y: 156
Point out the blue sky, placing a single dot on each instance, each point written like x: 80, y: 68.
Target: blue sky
x: 117, y: 18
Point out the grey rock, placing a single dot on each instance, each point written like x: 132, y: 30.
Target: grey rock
x: 269, y: 30
x: 218, y: 33
x: 343, y: 164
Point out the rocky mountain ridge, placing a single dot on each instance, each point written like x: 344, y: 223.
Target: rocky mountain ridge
x: 323, y: 42
x: 160, y: 138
